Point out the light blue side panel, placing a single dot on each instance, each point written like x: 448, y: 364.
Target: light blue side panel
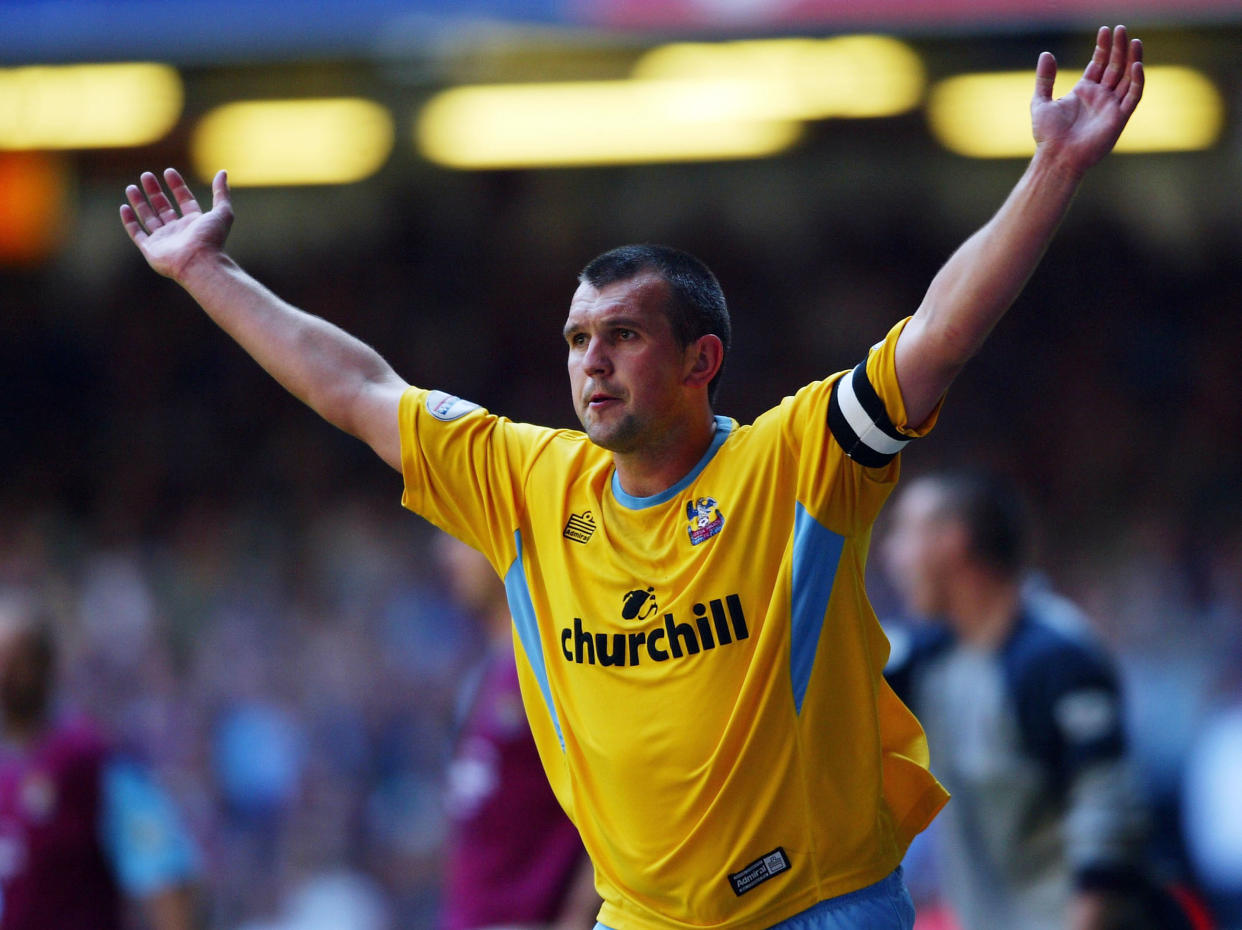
x: 523, y: 610
x: 816, y: 555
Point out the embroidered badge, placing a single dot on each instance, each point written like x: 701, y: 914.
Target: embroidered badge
x: 705, y: 518
x: 580, y: 527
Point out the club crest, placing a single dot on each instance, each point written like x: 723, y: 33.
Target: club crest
x: 705, y: 518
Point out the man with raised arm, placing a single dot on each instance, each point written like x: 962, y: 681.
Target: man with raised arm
x: 700, y: 666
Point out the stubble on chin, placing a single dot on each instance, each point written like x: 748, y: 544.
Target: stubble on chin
x: 619, y: 437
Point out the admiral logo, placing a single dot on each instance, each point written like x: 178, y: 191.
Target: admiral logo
x: 718, y: 622
x: 759, y: 871
x: 580, y: 527
x: 705, y: 518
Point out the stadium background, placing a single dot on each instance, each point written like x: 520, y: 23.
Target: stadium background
x: 242, y: 596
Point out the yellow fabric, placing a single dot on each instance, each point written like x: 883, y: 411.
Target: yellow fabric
x: 684, y: 764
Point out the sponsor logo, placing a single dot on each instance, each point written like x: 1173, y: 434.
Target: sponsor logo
x: 638, y: 604
x: 719, y: 622
x: 580, y: 527
x: 759, y: 871
x: 705, y: 518
x: 446, y: 407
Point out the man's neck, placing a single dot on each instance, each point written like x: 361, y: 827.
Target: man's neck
x: 652, y: 471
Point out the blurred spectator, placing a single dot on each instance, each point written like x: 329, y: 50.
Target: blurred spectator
x: 1213, y: 804
x: 82, y: 825
x: 514, y: 858
x: 1023, y: 714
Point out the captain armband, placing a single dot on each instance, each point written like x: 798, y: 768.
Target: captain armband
x: 859, y: 422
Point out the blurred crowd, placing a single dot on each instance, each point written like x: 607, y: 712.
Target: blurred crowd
x: 244, y: 602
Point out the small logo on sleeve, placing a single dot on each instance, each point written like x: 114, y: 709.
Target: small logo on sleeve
x: 759, y: 871
x: 705, y: 518
x: 580, y: 527
x: 446, y: 407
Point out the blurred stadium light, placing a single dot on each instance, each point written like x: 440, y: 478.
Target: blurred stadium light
x: 600, y: 122
x: 685, y: 101
x: 88, y: 106
x: 843, y: 76
x: 33, y: 197
x: 283, y: 142
x: 982, y: 115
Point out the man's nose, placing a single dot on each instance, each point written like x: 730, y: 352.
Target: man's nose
x: 596, y: 359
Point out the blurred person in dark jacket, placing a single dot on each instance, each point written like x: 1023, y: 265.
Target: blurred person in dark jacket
x: 1023, y: 712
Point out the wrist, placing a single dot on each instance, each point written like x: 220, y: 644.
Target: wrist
x: 201, y: 267
x: 1054, y: 162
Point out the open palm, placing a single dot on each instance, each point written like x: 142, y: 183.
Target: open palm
x: 1085, y: 123
x: 169, y: 236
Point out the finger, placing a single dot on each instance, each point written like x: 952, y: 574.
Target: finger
x: 129, y: 219
x: 1134, y: 93
x: 142, y: 209
x: 1045, y: 76
x: 1099, y: 58
x: 1117, y: 63
x: 159, y: 200
x: 1134, y: 54
x: 181, y: 192
x: 221, y: 198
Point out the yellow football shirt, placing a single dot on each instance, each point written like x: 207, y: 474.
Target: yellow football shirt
x: 701, y: 668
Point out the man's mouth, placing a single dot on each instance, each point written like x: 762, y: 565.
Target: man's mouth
x: 600, y: 399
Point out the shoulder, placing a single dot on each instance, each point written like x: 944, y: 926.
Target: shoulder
x: 1053, y: 642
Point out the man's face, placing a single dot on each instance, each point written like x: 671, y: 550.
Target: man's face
x: 921, y: 547
x: 626, y: 371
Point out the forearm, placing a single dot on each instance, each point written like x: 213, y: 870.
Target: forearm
x: 319, y: 363
x: 974, y: 289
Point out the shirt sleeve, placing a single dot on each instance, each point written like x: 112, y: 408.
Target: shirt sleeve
x: 464, y: 469
x: 846, y: 433
x: 141, y: 833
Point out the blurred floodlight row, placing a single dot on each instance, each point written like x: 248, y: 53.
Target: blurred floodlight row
x: 803, y: 79
x: 274, y: 142
x: 88, y: 106
x: 683, y: 101
x: 599, y: 122
x: 985, y: 115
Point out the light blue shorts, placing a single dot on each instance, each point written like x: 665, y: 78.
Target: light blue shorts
x: 886, y: 905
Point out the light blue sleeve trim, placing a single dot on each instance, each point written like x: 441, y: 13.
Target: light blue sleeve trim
x: 816, y: 555
x: 724, y: 426
x: 523, y: 611
x: 141, y: 833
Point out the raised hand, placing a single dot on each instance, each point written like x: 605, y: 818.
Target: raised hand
x: 171, y: 237
x: 1082, y: 127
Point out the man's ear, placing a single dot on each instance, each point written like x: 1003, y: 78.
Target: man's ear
x: 703, y: 359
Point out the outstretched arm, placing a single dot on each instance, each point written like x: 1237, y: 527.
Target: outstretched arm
x: 976, y: 286
x: 339, y: 377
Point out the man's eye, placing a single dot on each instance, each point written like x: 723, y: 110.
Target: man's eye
x: 577, y: 339
x: 624, y: 334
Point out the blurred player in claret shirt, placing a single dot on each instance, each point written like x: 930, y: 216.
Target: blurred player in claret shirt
x: 83, y: 828
x: 514, y: 858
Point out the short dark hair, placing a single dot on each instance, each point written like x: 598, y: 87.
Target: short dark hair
x: 697, y: 307
x: 994, y: 513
